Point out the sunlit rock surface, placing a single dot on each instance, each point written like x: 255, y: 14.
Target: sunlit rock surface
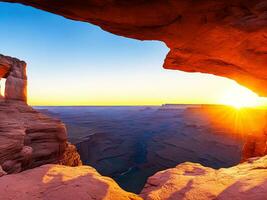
x: 14, y: 71
x: 59, y: 182
x: 191, y: 181
x: 70, y: 157
x: 188, y: 181
x: 225, y: 38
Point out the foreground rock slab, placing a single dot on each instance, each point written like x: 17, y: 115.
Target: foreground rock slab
x: 59, y: 182
x: 187, y: 181
x: 190, y: 181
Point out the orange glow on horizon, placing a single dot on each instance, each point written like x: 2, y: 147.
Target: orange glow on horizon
x: 240, y: 122
x: 144, y: 90
x: 240, y: 97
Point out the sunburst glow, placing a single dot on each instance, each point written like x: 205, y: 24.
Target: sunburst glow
x: 240, y: 97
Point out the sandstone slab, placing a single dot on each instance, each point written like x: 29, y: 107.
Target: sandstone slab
x: 62, y: 183
x: 191, y: 181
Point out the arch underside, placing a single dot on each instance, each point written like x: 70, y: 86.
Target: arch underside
x: 224, y: 38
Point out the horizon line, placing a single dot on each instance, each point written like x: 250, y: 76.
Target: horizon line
x: 130, y: 105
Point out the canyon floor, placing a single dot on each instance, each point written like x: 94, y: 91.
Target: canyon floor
x: 131, y: 144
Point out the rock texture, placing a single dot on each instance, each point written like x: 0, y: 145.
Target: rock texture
x: 225, y: 38
x: 2, y: 172
x: 190, y: 181
x: 29, y: 139
x: 71, y: 157
x: 14, y: 71
x: 51, y: 182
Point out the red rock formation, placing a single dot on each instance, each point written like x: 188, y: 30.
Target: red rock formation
x: 52, y: 182
x: 225, y: 38
x: 190, y: 181
x: 14, y: 71
x: 71, y: 157
x: 28, y: 138
x: 255, y: 145
x: 186, y: 181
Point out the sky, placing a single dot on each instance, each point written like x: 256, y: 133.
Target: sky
x: 76, y: 63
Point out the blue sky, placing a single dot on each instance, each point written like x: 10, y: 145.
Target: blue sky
x: 76, y: 63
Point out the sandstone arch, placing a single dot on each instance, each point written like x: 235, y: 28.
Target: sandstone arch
x: 221, y: 37
x: 14, y: 71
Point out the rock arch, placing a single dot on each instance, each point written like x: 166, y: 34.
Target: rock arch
x: 14, y: 71
x: 221, y: 37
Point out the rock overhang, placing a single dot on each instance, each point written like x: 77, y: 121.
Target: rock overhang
x: 224, y: 38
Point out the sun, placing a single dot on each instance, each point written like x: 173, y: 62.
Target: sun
x: 240, y: 97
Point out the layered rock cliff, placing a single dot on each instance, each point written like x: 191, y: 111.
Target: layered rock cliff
x: 225, y: 38
x: 28, y: 138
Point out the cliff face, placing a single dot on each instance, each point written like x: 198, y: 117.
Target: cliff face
x: 225, y: 38
x: 28, y: 138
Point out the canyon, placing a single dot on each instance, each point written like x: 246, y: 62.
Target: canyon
x: 225, y: 38
x: 131, y: 143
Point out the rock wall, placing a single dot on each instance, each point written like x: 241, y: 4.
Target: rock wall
x: 29, y: 139
x: 225, y: 38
